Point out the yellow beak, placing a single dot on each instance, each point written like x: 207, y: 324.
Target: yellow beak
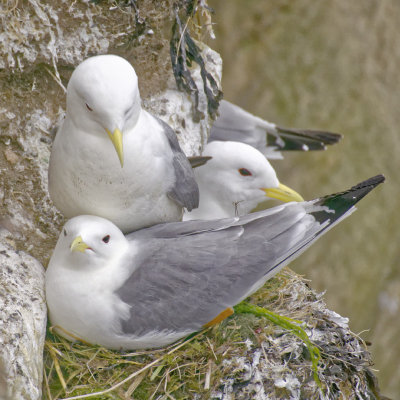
x: 116, y: 138
x: 283, y: 193
x: 79, y: 245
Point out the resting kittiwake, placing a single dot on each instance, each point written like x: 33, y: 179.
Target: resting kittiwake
x: 236, y: 124
x: 235, y: 179
x: 158, y: 284
x: 112, y: 158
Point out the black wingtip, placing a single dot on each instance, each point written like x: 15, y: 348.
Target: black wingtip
x: 357, y: 192
x: 342, y: 202
x: 327, y: 138
x: 371, y: 182
x: 303, y: 139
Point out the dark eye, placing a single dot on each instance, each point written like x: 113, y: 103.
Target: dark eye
x: 244, y: 172
x: 65, y: 232
x: 88, y: 107
x: 106, y: 239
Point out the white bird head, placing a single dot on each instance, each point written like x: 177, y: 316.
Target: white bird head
x: 103, y: 97
x: 89, y: 240
x: 239, y: 174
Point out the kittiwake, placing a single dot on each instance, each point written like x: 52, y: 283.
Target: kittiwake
x: 236, y: 124
x: 159, y: 284
x: 113, y: 159
x: 234, y: 180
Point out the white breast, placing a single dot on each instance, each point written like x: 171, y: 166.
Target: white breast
x: 90, y: 180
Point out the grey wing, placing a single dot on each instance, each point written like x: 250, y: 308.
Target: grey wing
x: 184, y: 283
x: 185, y: 277
x: 185, y: 190
x: 236, y: 124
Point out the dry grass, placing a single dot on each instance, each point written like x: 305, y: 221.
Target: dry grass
x: 204, y: 364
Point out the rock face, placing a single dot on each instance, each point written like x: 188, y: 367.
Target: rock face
x: 22, y: 324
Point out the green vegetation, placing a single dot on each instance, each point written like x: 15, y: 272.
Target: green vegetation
x: 205, y: 363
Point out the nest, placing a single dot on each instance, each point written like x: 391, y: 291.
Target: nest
x: 244, y: 355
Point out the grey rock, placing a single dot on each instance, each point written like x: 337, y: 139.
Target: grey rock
x: 22, y: 324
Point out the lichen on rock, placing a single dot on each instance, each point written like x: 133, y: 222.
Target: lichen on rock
x: 22, y: 323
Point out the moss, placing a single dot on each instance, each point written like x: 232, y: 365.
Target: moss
x: 204, y: 364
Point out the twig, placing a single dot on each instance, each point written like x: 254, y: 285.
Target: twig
x: 145, y: 368
x: 56, y: 76
x: 57, y: 367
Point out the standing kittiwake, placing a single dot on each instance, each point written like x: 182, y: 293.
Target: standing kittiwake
x: 238, y: 125
x: 112, y: 158
x: 158, y: 284
x: 234, y: 180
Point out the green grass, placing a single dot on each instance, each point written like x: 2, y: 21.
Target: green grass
x: 202, y: 363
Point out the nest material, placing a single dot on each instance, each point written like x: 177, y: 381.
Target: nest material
x: 243, y: 357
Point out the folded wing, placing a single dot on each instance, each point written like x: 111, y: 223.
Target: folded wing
x: 190, y: 272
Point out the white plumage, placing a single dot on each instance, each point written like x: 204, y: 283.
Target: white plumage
x: 112, y: 158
